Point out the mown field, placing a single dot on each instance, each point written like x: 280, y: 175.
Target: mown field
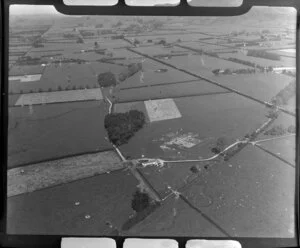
x: 52, y: 131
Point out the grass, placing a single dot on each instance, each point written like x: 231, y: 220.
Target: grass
x: 55, y: 130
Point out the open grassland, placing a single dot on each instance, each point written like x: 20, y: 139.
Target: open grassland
x: 100, y: 199
x: 284, y: 148
x: 152, y: 76
x: 203, y: 64
x: 52, y: 131
x: 210, y: 116
x: 175, y: 218
x: 181, y: 89
x: 262, y: 86
x: 234, y: 196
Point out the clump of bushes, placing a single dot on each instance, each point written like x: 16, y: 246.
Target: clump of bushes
x: 279, y: 130
x: 49, y: 90
x: 194, y: 169
x: 285, y: 94
x: 79, y: 40
x: 140, y: 201
x: 122, y: 126
x: 220, y: 145
x: 131, y: 70
x: 291, y: 129
x: 229, y: 71
x: 107, y: 79
x: 276, y: 130
x: 244, y: 62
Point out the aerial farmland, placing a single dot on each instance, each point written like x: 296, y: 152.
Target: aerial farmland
x: 152, y: 126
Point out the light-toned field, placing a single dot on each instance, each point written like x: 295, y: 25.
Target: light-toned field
x: 25, y: 69
x: 60, y: 96
x: 47, y: 174
x: 164, y: 109
x: 262, y: 86
x: 25, y: 78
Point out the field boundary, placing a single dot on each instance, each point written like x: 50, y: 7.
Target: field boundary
x: 210, y: 81
x: 175, y: 97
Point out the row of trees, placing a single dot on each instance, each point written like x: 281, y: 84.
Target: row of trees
x: 122, y: 126
x: 219, y: 145
x: 28, y: 60
x: 59, y: 88
x: 263, y: 54
x: 285, y: 94
x: 229, y: 71
x: 248, y: 63
x: 130, y: 71
x: 279, y: 130
x: 108, y: 79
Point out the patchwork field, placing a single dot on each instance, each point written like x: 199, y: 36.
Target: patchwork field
x: 246, y: 197
x: 64, y: 175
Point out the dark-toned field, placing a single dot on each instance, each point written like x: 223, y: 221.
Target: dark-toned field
x: 56, y: 130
